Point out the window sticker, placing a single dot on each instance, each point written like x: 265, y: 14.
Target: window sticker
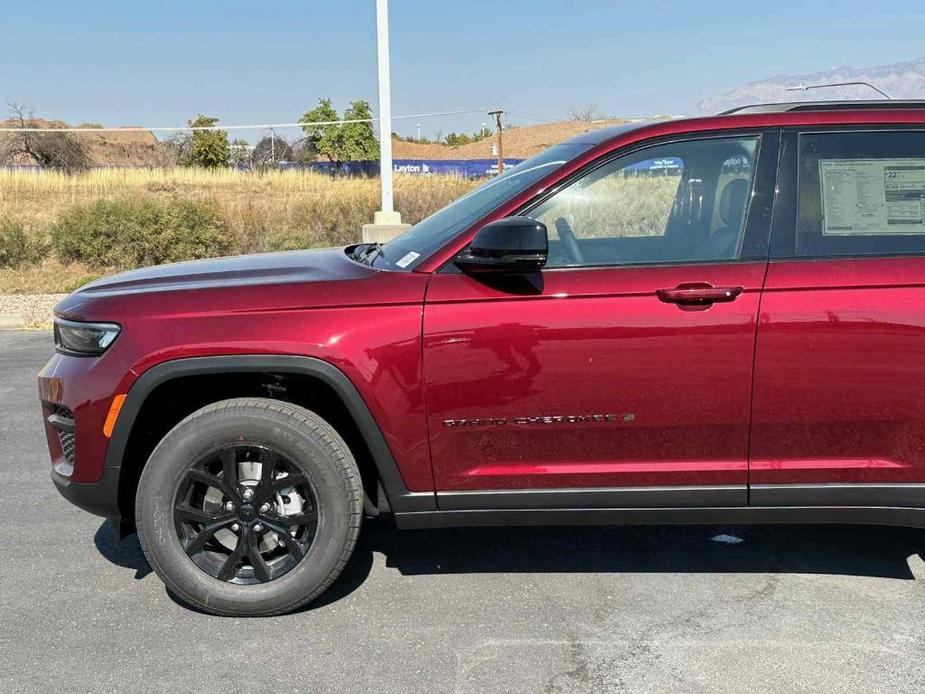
x: 863, y: 197
x: 407, y: 259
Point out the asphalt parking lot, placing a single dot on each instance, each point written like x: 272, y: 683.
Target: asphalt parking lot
x: 790, y: 609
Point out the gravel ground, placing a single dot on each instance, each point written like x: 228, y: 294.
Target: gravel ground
x: 27, y: 310
x: 662, y: 609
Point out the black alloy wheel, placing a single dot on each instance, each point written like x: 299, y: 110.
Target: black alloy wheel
x: 245, y: 514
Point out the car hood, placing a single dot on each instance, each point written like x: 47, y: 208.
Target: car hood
x: 264, y: 268
x: 205, y: 283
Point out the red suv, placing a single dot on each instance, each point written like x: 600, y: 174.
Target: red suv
x: 714, y: 320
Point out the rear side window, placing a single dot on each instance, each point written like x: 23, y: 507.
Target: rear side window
x: 861, y: 194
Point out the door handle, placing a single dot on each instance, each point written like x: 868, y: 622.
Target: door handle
x: 698, y: 294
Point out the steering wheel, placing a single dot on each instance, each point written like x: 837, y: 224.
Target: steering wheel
x: 567, y: 236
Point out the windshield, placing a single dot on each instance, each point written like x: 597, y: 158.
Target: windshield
x: 430, y: 234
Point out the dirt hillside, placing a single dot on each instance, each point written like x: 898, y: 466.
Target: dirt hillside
x: 519, y: 142
x: 142, y: 148
x: 106, y: 148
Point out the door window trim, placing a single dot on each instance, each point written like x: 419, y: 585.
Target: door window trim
x: 784, y: 217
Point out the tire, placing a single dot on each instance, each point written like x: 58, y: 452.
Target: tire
x: 299, y: 443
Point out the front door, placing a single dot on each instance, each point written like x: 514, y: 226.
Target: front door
x: 623, y: 370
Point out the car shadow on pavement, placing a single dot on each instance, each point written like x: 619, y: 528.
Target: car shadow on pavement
x: 882, y: 552
x: 126, y: 553
x: 811, y: 549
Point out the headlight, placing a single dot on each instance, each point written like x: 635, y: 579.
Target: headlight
x: 84, y: 339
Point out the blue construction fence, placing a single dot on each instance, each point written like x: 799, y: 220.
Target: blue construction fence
x: 465, y: 168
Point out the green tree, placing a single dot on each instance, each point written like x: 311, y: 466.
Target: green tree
x: 458, y: 139
x: 358, y: 140
x: 341, y: 142
x: 323, y: 138
x: 207, y: 148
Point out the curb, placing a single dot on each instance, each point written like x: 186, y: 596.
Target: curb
x: 27, y: 311
x: 9, y: 321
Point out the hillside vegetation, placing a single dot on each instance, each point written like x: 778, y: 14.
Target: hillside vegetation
x: 133, y: 148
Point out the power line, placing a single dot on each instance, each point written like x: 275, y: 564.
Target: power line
x: 534, y: 116
x: 261, y: 126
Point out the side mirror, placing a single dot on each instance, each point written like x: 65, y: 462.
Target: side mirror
x: 514, y: 244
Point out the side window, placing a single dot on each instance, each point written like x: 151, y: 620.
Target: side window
x: 861, y: 194
x: 670, y: 203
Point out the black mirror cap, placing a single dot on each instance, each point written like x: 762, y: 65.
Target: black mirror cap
x: 513, y: 244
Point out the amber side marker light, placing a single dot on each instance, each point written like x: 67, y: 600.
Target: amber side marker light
x: 113, y: 415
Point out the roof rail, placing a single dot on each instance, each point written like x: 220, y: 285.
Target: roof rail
x: 852, y: 105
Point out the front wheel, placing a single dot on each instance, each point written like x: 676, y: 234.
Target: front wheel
x: 249, y: 507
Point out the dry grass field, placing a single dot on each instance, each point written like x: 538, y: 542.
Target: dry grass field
x: 613, y: 207
x: 277, y: 210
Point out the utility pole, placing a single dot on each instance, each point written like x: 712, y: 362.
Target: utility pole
x: 386, y: 222
x: 273, y: 146
x: 497, y: 113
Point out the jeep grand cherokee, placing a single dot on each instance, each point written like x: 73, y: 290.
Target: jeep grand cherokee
x: 712, y: 320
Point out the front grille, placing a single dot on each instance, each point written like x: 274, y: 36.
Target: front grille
x: 62, y: 419
x: 67, y: 445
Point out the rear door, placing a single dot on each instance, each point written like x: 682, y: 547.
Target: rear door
x: 621, y: 374
x: 839, y: 405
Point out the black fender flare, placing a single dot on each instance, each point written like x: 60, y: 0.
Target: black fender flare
x: 400, y: 498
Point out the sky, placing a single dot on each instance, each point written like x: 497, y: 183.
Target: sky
x: 159, y: 63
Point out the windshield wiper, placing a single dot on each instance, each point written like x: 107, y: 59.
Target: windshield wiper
x: 369, y: 253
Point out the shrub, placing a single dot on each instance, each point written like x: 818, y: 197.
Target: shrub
x: 136, y: 233
x: 76, y: 284
x: 16, y: 248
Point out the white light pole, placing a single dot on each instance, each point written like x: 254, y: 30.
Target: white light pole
x: 385, y: 104
x: 387, y: 223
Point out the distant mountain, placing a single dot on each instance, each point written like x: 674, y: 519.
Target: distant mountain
x: 900, y: 81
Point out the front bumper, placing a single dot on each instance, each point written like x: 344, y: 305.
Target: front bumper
x: 76, y: 394
x: 100, y: 498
